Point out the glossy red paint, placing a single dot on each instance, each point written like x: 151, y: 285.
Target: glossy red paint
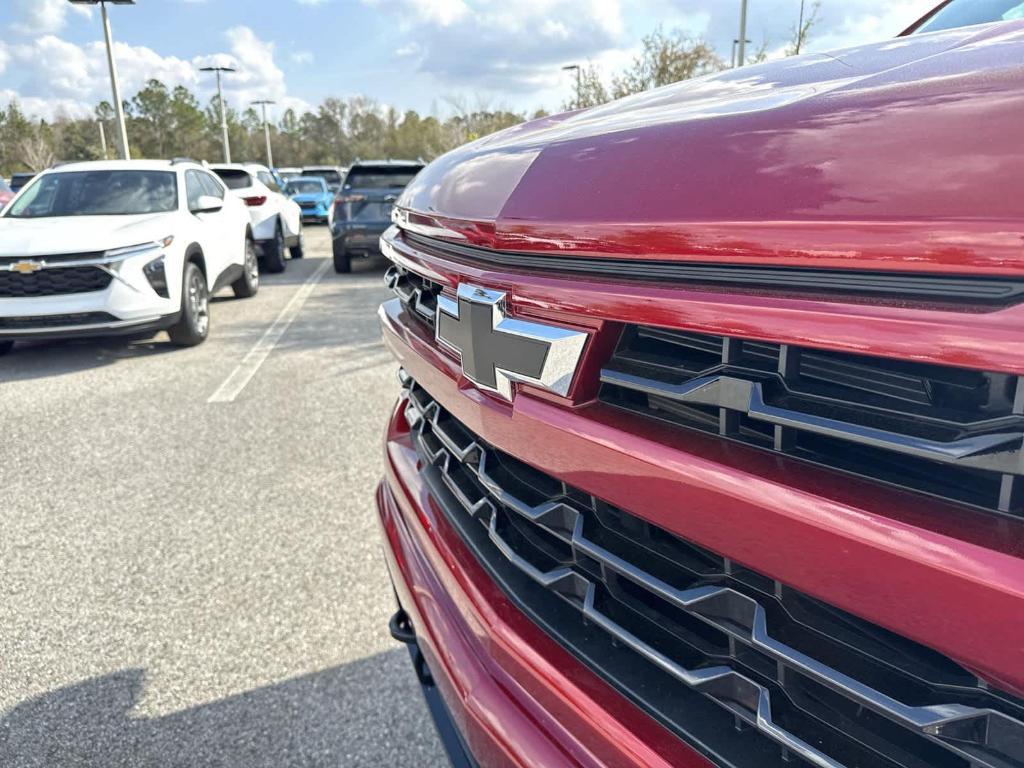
x: 899, y: 156
x: 518, y: 698
x: 947, y: 577
x: 904, y: 156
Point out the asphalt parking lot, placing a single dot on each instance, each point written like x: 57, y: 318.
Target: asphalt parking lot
x: 195, y: 583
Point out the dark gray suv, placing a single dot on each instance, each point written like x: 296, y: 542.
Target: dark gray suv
x: 362, y: 209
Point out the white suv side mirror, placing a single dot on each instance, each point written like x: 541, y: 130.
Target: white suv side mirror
x: 207, y: 204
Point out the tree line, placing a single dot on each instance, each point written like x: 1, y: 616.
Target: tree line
x: 165, y: 122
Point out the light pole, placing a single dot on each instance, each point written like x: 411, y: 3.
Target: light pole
x: 734, y: 52
x: 223, y: 112
x: 114, y: 87
x: 741, y: 59
x: 579, y: 96
x: 266, y: 129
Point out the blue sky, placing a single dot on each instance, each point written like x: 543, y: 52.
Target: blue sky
x: 419, y: 54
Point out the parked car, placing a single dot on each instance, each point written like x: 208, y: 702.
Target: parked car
x: 121, y: 247
x: 332, y: 174
x: 710, y: 445
x: 288, y: 173
x: 362, y: 210
x: 6, y: 194
x: 276, y: 220
x: 19, y: 180
x: 313, y: 196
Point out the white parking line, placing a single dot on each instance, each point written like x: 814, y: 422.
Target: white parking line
x: 243, y: 373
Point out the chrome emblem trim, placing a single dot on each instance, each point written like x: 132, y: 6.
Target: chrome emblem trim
x: 496, y: 350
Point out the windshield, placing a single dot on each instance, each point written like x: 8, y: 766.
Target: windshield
x: 234, y: 178
x: 965, y: 13
x: 304, y: 187
x: 380, y: 178
x: 97, y: 193
x: 329, y: 175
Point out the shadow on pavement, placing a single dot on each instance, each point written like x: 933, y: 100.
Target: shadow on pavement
x: 44, y: 359
x: 365, y: 713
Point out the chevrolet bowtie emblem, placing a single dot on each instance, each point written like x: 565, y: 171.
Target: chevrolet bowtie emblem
x: 497, y: 350
x: 25, y: 267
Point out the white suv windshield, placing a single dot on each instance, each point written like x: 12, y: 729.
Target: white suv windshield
x: 97, y: 193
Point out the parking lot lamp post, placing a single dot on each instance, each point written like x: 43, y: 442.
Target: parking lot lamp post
x: 741, y: 59
x: 579, y: 95
x: 223, y: 112
x: 266, y: 129
x: 114, y: 87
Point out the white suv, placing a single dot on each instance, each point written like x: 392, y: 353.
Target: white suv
x: 121, y: 247
x: 276, y: 218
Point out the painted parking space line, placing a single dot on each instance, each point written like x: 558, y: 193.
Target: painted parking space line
x: 237, y: 380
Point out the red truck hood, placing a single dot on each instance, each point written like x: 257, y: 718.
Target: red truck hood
x: 907, y: 154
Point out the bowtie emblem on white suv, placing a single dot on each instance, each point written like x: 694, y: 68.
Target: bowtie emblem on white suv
x: 25, y: 267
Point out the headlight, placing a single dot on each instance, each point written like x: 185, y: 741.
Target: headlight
x: 134, y: 250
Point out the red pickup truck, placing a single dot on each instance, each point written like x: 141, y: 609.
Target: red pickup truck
x: 709, y: 448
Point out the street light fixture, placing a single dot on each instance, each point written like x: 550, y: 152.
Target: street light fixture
x: 223, y: 113
x: 579, y: 95
x: 114, y: 87
x: 741, y: 59
x: 266, y: 129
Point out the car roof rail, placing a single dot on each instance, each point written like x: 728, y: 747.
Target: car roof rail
x: 178, y: 160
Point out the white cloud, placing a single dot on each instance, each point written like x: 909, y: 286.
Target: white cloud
x: 51, y: 75
x: 301, y: 57
x: 37, y: 17
x: 503, y: 47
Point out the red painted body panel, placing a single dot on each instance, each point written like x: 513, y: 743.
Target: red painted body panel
x: 905, y: 157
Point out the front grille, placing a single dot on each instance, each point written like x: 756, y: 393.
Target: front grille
x: 749, y: 670
x: 53, y: 282
x: 418, y: 295
x: 53, y: 258
x: 949, y: 432
x: 309, y: 206
x: 42, y: 322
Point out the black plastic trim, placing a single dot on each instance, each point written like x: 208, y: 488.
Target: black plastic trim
x: 997, y: 291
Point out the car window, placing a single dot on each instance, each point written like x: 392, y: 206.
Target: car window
x: 305, y: 187
x: 329, y: 175
x: 965, y: 13
x: 268, y: 180
x: 193, y: 189
x: 98, y: 193
x: 210, y: 185
x: 379, y: 177
x: 234, y: 178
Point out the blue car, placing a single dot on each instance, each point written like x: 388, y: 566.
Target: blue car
x: 314, y: 197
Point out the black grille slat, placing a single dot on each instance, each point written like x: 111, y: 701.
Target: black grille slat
x: 839, y: 691
x: 417, y: 294
x: 42, y: 322
x: 949, y: 432
x: 53, y: 282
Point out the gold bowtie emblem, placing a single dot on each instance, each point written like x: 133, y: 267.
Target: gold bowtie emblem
x: 25, y: 267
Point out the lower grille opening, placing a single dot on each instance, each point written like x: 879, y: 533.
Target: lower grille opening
x: 42, y: 322
x: 749, y: 671
x: 53, y: 282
